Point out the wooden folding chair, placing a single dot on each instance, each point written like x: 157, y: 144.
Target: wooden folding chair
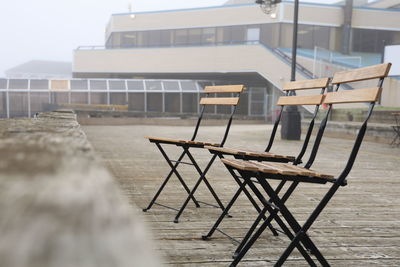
x: 290, y: 98
x: 232, y: 92
x: 263, y: 172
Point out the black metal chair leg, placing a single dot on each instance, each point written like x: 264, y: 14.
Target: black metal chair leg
x: 222, y: 216
x: 294, y: 224
x: 177, y: 173
x: 201, y: 178
x: 173, y: 170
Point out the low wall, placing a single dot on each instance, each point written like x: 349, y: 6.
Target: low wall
x: 58, y: 205
x: 376, y: 132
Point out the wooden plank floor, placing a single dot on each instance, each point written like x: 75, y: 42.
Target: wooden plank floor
x: 360, y: 226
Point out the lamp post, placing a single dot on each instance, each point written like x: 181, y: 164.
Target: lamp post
x: 291, y: 119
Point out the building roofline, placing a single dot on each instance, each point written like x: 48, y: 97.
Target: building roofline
x: 242, y: 5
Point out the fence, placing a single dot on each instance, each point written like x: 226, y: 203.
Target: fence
x: 25, y: 97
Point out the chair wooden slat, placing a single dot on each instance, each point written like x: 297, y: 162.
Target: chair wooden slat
x: 300, y: 100
x: 224, y: 89
x: 372, y: 72
x: 274, y: 168
x: 306, y: 84
x: 240, y: 164
x: 232, y: 101
x: 353, y: 96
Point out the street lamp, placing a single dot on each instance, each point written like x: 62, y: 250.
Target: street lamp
x: 291, y: 120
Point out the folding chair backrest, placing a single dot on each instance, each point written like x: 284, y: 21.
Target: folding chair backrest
x: 291, y: 99
x: 228, y: 100
x: 366, y: 95
x: 363, y: 95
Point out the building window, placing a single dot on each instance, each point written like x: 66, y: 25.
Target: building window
x: 238, y: 34
x: 128, y: 39
x: 181, y: 37
x: 194, y: 37
x: 253, y: 35
x: 208, y: 36
x: 166, y: 38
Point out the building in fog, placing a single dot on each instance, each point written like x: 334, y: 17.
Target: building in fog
x: 159, y: 61
x: 237, y: 42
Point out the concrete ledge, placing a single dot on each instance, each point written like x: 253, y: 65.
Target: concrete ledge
x: 376, y: 132
x: 58, y: 205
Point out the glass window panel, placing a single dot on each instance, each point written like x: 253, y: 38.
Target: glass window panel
x: 3, y: 105
x: 39, y: 102
x: 321, y: 36
x: 181, y: 37
x: 257, y: 109
x: 166, y: 38
x: 306, y: 37
x: 194, y: 36
x: 153, y: 85
x: 269, y: 33
x: 128, y: 39
x: 286, y: 35
x: 117, y: 98
x: 98, y: 85
x: 238, y: 34
x: 98, y: 98
x: 154, y: 38
x: 3, y: 83
x: 171, y: 86
x: 40, y: 84
x: 79, y: 84
x: 188, y: 86
x: 190, y: 102
x: 79, y: 98
x: 136, y: 101
x: 154, y: 102
x: 18, y: 84
x: 18, y: 104
x: 209, y: 36
x: 142, y: 39
x: 224, y: 109
x: 202, y: 85
x: 253, y: 35
x: 116, y: 40
x: 172, y: 102
x: 117, y: 85
x: 59, y: 97
x: 135, y: 85
x: 243, y: 107
x: 227, y: 35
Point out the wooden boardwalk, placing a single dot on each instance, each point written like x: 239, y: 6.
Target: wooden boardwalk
x: 360, y: 226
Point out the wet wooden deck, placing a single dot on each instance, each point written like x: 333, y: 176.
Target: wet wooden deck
x: 360, y: 226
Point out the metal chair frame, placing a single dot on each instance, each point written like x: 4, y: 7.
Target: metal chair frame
x: 186, y: 146
x: 242, y: 184
x: 298, y: 234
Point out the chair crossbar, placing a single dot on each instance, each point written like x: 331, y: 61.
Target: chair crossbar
x: 226, y: 101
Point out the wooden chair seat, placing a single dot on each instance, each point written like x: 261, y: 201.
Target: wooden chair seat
x: 276, y: 168
x: 179, y: 142
x: 248, y: 153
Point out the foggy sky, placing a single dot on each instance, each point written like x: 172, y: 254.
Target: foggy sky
x: 52, y: 29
